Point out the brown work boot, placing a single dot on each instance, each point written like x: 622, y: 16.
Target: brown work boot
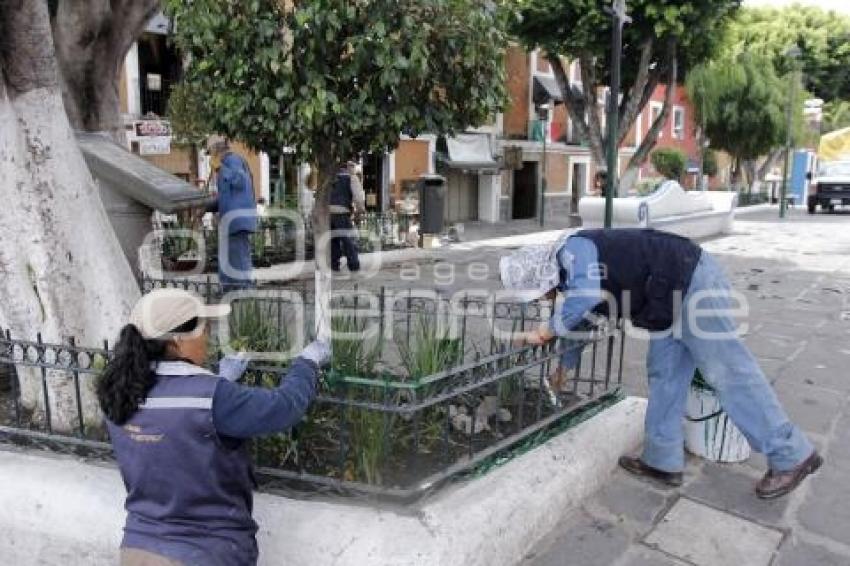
x: 776, y: 484
x: 637, y: 467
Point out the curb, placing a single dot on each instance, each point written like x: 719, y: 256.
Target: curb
x: 60, y: 510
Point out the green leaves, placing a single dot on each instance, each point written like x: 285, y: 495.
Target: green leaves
x: 570, y: 27
x: 350, y: 75
x: 670, y: 163
x: 742, y: 103
x: 823, y: 37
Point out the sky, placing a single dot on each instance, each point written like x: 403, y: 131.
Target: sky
x: 837, y: 5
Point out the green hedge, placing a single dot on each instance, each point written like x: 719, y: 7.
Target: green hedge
x: 670, y: 163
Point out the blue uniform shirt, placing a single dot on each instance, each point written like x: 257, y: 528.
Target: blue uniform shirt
x: 578, y: 259
x: 241, y: 411
x: 188, y: 475
x: 236, y: 193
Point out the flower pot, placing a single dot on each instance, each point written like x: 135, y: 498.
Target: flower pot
x: 709, y: 432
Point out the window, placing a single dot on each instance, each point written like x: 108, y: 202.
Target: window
x: 654, y: 113
x: 678, y: 123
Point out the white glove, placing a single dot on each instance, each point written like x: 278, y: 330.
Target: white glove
x: 232, y: 366
x: 318, y: 352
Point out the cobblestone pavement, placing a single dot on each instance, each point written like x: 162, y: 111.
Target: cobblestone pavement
x: 796, y: 275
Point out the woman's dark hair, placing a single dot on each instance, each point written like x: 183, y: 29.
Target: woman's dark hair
x: 128, y: 377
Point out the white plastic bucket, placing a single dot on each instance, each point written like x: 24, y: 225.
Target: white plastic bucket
x: 709, y: 432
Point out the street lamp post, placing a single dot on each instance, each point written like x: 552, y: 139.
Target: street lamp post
x: 619, y: 17
x: 543, y: 116
x: 793, y: 53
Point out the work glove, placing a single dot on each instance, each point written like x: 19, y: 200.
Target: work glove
x: 232, y: 366
x: 318, y: 352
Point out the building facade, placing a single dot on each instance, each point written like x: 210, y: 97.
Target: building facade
x: 511, y: 188
x: 494, y: 173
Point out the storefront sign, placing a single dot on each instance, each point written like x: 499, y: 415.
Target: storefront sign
x: 152, y: 128
x: 154, y: 145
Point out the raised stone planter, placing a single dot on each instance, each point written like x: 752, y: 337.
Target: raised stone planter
x: 694, y: 214
x: 60, y: 510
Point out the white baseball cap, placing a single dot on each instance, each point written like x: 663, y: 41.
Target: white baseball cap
x: 159, y: 312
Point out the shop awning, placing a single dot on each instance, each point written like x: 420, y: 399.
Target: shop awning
x: 135, y: 177
x: 470, y: 151
x: 546, y: 90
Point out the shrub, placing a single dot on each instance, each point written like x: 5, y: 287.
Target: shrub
x: 669, y: 162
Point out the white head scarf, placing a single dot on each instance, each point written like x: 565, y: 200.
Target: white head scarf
x: 533, y: 271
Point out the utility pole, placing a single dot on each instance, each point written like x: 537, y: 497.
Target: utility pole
x: 793, y: 53
x: 543, y: 116
x: 619, y: 18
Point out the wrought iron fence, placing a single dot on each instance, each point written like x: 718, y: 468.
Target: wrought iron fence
x: 421, y: 389
x: 277, y: 240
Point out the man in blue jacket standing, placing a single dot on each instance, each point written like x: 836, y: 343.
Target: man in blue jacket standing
x: 237, y: 209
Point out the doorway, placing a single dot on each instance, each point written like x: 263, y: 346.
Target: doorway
x: 461, y: 204
x: 578, y: 184
x: 524, y: 204
x: 373, y: 181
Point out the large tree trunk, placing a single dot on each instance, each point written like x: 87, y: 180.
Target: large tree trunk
x: 647, y: 144
x: 62, y: 270
x: 91, y: 40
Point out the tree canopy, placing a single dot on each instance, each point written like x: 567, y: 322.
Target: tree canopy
x: 823, y: 38
x: 335, y: 78
x: 836, y: 115
x: 339, y: 77
x: 662, y: 37
x: 742, y: 104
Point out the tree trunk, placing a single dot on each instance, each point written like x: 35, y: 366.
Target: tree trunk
x: 701, y: 158
x: 91, y: 40
x: 749, y: 166
x: 62, y: 270
x: 769, y: 162
x: 583, y: 108
x: 648, y: 143
x: 327, y: 167
x: 737, y: 173
x: 595, y: 139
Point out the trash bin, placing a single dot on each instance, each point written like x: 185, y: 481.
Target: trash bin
x: 432, y: 196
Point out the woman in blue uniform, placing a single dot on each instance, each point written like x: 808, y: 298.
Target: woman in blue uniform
x: 178, y: 432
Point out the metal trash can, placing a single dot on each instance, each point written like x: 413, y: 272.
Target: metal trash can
x: 432, y: 197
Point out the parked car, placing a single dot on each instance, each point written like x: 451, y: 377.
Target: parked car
x: 831, y: 187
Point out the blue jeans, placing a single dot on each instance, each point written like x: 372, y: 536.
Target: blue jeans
x: 729, y: 368
x: 236, y: 251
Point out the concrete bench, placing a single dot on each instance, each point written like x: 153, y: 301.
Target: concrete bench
x: 694, y: 214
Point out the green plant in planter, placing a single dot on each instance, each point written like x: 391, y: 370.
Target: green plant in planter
x: 368, y: 428
x: 252, y: 327
x: 428, y: 351
x: 353, y: 356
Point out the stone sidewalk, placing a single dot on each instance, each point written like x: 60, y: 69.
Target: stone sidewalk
x: 796, y: 275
